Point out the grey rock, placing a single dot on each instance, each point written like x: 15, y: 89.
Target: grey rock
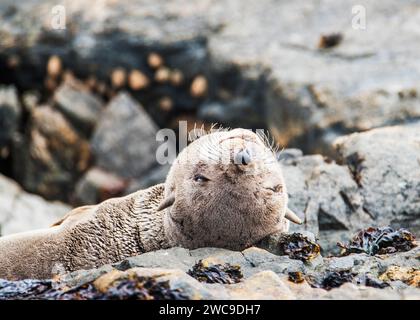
x: 218, y: 254
x: 79, y: 105
x: 80, y: 277
x: 328, y: 240
x: 21, y: 211
x: 51, y: 156
x: 178, y: 258
x: 350, y: 291
x: 230, y: 113
x: 260, y: 260
x: 319, y: 190
x: 97, y: 185
x: 376, y: 265
x: 152, y: 177
x: 308, y: 95
x: 385, y: 164
x: 30, y: 100
x: 289, y: 154
x: 377, y: 184
x: 194, y: 289
x: 124, y: 140
x: 10, y: 113
x: 262, y: 285
x: 265, y: 274
x: 251, y: 261
x: 345, y: 263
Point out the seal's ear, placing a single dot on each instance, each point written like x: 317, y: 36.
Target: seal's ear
x: 167, y: 202
x: 290, y: 215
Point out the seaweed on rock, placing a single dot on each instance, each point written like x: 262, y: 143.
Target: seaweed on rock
x: 383, y: 240
x: 216, y: 273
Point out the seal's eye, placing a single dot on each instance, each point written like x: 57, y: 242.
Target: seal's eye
x: 200, y: 178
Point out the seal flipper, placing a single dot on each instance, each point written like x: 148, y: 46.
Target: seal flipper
x: 72, y: 213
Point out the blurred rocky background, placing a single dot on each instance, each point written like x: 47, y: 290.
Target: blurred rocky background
x: 80, y: 106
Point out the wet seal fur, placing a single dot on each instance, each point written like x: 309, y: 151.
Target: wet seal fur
x: 226, y: 189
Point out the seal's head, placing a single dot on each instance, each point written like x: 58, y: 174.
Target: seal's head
x: 226, y: 189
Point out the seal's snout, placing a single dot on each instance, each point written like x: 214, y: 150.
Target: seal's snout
x: 243, y: 157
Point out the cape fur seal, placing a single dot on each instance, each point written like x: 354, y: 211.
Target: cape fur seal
x: 225, y: 189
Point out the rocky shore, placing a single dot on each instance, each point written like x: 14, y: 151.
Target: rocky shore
x: 80, y: 109
x: 211, y: 273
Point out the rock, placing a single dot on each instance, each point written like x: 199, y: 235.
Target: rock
x: 81, y: 107
x: 80, y: 277
x: 384, y: 163
x: 373, y: 185
x: 263, y: 285
x: 174, y: 282
x: 10, y: 114
x: 21, y: 211
x: 338, y: 264
x: 148, y: 284
x: 118, y: 77
x: 258, y: 260
x: 199, y: 86
x: 304, y: 92
x: 51, y: 157
x: 410, y: 276
x: 137, y: 80
x: 373, y: 271
x: 178, y: 281
x: 54, y: 66
x: 223, y: 274
x: 289, y: 154
x: 178, y: 258
x: 320, y: 191
x: 349, y: 291
x: 251, y: 260
x: 30, y: 100
x: 97, y: 185
x: 124, y: 141
x: 377, y: 265
x: 152, y: 177
x: 218, y: 255
x: 265, y: 276
x: 227, y: 113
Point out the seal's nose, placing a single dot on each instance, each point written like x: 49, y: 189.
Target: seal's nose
x: 243, y: 157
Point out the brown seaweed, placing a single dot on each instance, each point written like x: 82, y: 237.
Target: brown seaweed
x: 297, y: 246
x: 132, y: 288
x: 336, y: 279
x: 296, y: 277
x: 216, y: 273
x: 383, y: 240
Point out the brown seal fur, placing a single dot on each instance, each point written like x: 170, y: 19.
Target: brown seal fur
x: 232, y: 204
